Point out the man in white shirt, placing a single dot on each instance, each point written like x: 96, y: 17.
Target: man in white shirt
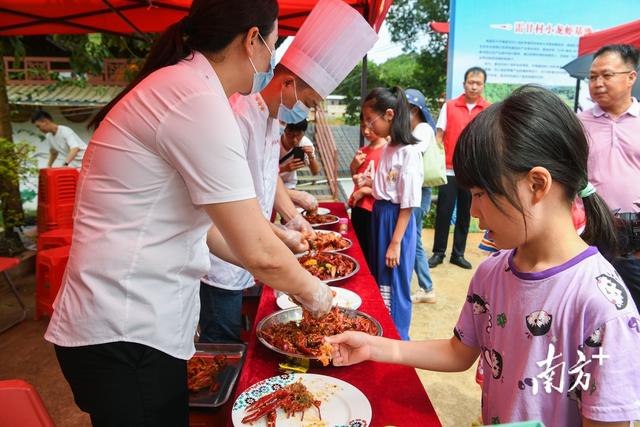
x: 62, y: 140
x: 222, y: 288
x: 296, y: 151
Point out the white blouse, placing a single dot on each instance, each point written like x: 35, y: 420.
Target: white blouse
x: 139, y: 249
x: 399, y: 176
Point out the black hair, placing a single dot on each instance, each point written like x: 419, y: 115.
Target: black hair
x: 298, y: 127
x: 629, y: 54
x: 39, y: 115
x: 531, y: 127
x: 210, y: 26
x: 475, y: 70
x: 380, y: 100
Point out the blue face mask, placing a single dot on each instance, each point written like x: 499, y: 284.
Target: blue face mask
x: 295, y: 114
x: 262, y: 78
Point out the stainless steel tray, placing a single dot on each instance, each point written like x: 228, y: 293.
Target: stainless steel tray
x: 295, y: 314
x: 339, y: 279
x: 325, y: 224
x: 227, y: 376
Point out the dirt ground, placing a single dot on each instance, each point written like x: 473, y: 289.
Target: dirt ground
x: 455, y: 396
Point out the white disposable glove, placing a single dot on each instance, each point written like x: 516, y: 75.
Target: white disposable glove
x: 300, y: 224
x: 303, y: 199
x: 293, y: 239
x: 318, y: 302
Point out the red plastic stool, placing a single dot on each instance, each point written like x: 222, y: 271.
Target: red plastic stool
x: 54, y: 238
x: 50, y: 266
x: 21, y: 405
x: 7, y: 264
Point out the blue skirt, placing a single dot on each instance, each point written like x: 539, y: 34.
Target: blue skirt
x: 394, y: 283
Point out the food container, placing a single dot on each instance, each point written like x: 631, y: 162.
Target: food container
x: 226, y: 378
x: 295, y: 314
x: 356, y: 267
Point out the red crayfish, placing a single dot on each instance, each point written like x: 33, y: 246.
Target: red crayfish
x: 292, y: 398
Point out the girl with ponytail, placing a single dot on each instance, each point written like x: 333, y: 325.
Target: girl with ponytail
x: 166, y: 161
x: 548, y: 314
x: 397, y: 188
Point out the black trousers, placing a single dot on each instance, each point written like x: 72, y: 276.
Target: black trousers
x: 125, y: 384
x: 361, y: 221
x: 447, y: 196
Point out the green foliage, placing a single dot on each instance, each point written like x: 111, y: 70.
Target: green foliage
x: 409, y: 24
x: 422, y: 68
x: 87, y: 52
x: 350, y: 87
x: 17, y: 162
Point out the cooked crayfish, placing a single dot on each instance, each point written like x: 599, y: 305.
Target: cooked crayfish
x: 306, y: 337
x: 291, y: 398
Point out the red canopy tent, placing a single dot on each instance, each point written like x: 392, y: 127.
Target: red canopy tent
x: 33, y: 17
x: 589, y: 44
x: 622, y: 34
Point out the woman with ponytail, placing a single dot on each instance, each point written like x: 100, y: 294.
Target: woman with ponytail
x: 397, y: 188
x: 166, y: 160
x: 550, y: 317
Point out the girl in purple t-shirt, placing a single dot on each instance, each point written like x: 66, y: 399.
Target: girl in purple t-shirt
x: 549, y: 316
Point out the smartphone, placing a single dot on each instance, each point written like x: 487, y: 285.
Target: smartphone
x: 298, y: 153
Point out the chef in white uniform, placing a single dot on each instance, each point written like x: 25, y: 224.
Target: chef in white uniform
x: 326, y: 48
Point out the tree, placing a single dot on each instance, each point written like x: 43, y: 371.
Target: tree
x: 87, y: 53
x: 350, y: 88
x: 409, y: 24
x: 10, y: 201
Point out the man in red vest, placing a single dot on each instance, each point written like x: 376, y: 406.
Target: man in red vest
x: 454, y: 117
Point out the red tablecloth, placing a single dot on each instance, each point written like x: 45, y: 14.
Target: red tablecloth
x: 395, y: 392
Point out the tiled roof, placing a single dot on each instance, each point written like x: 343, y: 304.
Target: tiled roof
x: 347, y: 139
x: 62, y: 95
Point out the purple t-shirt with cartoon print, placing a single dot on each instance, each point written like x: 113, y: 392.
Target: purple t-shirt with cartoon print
x: 541, y: 334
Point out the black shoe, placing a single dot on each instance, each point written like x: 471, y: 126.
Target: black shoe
x: 461, y: 262
x: 436, y: 259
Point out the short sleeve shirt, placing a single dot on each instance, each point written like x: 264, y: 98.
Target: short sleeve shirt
x: 290, y: 179
x: 369, y: 165
x: 167, y: 148
x: 544, y: 338
x: 614, y: 155
x: 399, y: 176
x: 261, y: 137
x: 63, y: 141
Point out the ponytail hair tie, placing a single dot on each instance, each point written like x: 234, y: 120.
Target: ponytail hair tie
x: 588, y: 190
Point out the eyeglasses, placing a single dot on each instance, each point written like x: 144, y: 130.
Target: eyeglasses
x: 607, y: 75
x: 369, y: 125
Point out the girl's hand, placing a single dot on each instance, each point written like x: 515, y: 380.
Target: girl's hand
x: 349, y: 348
x: 355, y: 198
x: 392, y: 257
x: 358, y: 160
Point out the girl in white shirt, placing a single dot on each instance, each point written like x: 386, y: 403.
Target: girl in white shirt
x: 166, y: 160
x: 397, y: 189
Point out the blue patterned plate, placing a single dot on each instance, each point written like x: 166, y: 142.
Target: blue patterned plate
x: 342, y: 405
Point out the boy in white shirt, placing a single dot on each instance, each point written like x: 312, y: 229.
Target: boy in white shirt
x: 61, y: 139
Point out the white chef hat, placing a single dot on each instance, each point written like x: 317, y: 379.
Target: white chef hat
x: 332, y: 40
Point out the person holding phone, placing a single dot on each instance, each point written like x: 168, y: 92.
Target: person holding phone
x: 296, y: 152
